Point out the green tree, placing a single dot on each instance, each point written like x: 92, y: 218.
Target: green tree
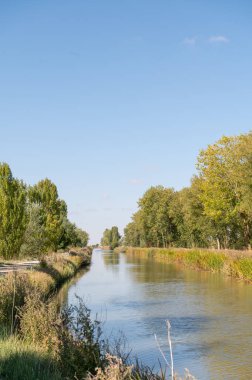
x: 111, y: 238
x: 13, y: 216
x: 224, y: 181
x: 82, y: 237
x: 193, y: 227
x: 115, y: 237
x: 69, y: 234
x: 72, y: 236
x: 132, y: 235
x: 106, y: 238
x: 34, y: 242
x: 155, y: 219
x: 53, y: 211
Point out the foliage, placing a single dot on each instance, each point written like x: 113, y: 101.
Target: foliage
x: 111, y: 238
x: 214, y: 212
x: 33, y: 220
x: 82, y: 238
x: 81, y: 347
x: 52, y: 211
x: 115, y: 370
x: 13, y: 218
x: 34, y: 240
x: 72, y: 236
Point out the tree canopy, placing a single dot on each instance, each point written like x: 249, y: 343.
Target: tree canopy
x: 111, y: 238
x: 33, y: 220
x: 215, y: 211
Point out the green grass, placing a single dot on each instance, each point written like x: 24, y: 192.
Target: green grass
x: 25, y: 361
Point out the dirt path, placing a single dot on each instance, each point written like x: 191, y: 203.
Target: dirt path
x: 16, y: 266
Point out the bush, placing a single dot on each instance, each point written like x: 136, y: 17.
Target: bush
x: 81, y: 347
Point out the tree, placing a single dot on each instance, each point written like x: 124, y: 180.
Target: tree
x: 72, y: 236
x: 193, y: 227
x: 106, y: 238
x: 34, y: 242
x: 155, y: 219
x: 69, y: 234
x: 53, y: 211
x: 215, y: 211
x: 115, y: 237
x: 132, y: 235
x: 224, y: 181
x: 13, y: 218
x: 111, y: 238
x: 82, y: 238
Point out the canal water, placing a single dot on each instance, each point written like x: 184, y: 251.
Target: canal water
x: 210, y: 315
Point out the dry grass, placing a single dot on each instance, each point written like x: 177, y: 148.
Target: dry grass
x: 42, y: 280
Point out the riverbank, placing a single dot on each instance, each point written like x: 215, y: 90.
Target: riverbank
x: 28, y: 315
x: 51, y: 342
x: 237, y: 264
x: 43, y: 279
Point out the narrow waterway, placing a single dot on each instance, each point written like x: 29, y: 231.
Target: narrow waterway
x: 210, y: 315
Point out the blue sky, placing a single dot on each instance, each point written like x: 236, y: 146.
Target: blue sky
x: 107, y: 98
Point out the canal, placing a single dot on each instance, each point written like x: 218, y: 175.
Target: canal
x: 210, y: 315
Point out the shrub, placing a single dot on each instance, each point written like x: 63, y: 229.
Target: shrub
x: 81, y: 347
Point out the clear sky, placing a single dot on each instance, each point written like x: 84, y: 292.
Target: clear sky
x: 109, y: 97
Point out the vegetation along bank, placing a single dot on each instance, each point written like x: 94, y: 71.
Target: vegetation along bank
x: 237, y: 264
x: 30, y: 316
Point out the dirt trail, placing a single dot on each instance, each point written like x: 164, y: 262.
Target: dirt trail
x: 16, y: 266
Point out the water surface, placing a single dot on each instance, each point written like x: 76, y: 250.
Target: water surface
x: 210, y: 315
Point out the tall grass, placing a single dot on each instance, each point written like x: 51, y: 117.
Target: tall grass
x: 22, y: 360
x: 43, y: 280
x: 237, y: 264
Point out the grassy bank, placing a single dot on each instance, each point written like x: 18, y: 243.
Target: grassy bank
x: 29, y: 318
x: 48, y: 342
x: 52, y: 271
x: 65, y: 345
x: 237, y: 264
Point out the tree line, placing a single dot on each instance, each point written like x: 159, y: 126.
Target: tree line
x: 33, y: 220
x: 214, y: 212
x: 111, y: 238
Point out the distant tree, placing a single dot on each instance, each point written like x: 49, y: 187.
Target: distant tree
x: 69, y: 234
x: 106, y: 238
x: 82, y: 238
x: 111, y: 238
x: 154, y: 220
x: 132, y: 235
x: 13, y: 218
x: 115, y: 237
x: 72, y: 236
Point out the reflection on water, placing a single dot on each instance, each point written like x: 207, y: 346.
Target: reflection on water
x: 211, y: 315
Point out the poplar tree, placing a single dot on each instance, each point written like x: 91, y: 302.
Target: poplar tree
x: 13, y: 216
x: 53, y: 211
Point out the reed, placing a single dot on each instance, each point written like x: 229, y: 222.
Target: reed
x: 237, y: 264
